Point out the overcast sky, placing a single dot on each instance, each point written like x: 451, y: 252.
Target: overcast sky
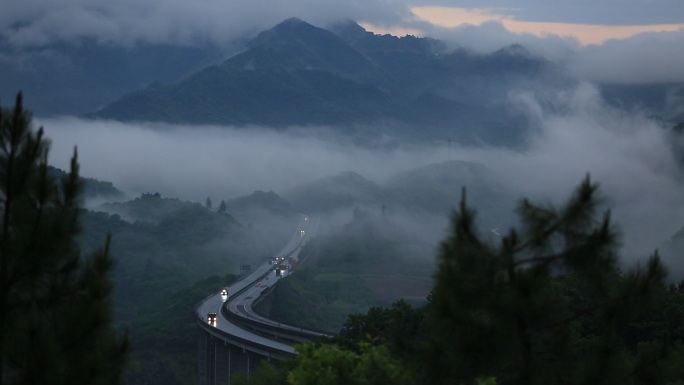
x: 600, y: 12
x: 646, y: 36
x: 37, y: 21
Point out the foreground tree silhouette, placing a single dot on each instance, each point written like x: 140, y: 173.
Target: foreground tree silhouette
x: 55, y: 310
x: 547, y: 306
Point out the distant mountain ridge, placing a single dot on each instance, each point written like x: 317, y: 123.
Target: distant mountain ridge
x: 299, y: 74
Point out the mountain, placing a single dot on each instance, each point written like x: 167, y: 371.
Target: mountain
x: 299, y: 74
x: 431, y: 190
x: 78, y: 77
x: 297, y: 45
x: 343, y: 190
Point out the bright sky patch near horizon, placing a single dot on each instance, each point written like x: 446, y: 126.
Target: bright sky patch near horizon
x: 584, y: 33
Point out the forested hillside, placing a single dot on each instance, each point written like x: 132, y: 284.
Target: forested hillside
x: 170, y: 254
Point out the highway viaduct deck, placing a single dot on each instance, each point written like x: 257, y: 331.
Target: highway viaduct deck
x: 241, y: 340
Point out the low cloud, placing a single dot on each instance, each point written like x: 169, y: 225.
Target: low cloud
x: 651, y: 57
x: 645, y: 58
x: 36, y: 22
x: 629, y: 155
x: 221, y: 162
x: 624, y: 12
x: 492, y: 35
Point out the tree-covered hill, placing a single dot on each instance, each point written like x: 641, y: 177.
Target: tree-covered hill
x: 368, y: 261
x: 261, y: 201
x: 344, y: 190
x: 93, y: 189
x: 168, y: 254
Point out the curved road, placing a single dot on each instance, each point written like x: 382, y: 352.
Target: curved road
x: 245, y: 291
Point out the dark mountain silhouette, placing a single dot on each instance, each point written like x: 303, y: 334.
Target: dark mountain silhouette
x: 74, y: 78
x: 299, y: 74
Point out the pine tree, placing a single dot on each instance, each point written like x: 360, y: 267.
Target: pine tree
x: 56, y: 314
x: 222, y: 207
x: 207, y: 203
x: 548, y: 305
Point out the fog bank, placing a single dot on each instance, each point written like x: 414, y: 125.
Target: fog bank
x: 630, y: 156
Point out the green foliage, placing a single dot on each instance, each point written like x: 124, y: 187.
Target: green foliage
x: 267, y: 374
x: 330, y: 364
x: 184, y: 245
x: 172, y: 245
x: 318, y: 302
x: 396, y: 326
x: 56, y: 318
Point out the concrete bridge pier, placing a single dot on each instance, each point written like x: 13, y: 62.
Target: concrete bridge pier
x: 220, y: 362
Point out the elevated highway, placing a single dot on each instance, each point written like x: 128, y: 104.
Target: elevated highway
x: 240, y: 339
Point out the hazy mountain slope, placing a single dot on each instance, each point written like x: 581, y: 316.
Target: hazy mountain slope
x: 222, y: 95
x: 148, y: 207
x: 261, y: 200
x: 72, y: 79
x: 343, y: 190
x: 295, y: 44
x: 418, y: 200
x: 93, y: 189
x: 299, y: 74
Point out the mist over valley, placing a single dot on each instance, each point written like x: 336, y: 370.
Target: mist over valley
x: 635, y: 158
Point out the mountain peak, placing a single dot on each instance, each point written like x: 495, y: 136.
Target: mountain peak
x: 293, y: 22
x: 291, y: 28
x: 514, y: 49
x: 297, y: 45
